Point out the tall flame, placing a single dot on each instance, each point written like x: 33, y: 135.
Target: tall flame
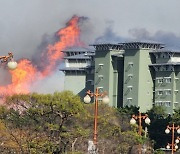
x: 69, y: 36
x: 27, y: 72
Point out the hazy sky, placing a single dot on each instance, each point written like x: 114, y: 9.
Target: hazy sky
x: 23, y: 23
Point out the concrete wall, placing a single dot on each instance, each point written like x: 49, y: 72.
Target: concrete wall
x: 136, y: 63
x: 131, y: 75
x: 76, y: 84
x: 145, y: 91
x: 106, y: 74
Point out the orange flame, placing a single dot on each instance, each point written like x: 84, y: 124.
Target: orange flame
x: 27, y: 73
x: 69, y: 36
x: 21, y: 77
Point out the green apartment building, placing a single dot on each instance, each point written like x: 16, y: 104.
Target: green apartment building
x: 166, y: 66
x: 134, y: 73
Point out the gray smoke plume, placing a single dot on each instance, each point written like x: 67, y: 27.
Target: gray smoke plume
x: 26, y: 27
x: 42, y: 48
x: 170, y: 39
x: 109, y: 37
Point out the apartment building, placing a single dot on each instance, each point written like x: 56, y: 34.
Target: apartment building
x: 134, y: 73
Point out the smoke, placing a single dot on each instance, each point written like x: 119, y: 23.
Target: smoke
x: 140, y: 34
x: 23, y: 24
x: 88, y: 33
x: 170, y: 39
x: 42, y: 48
x: 109, y: 36
x: 50, y: 84
x: 28, y: 27
x: 33, y: 74
x: 45, y: 85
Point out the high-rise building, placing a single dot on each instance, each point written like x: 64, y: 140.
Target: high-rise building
x: 141, y: 74
x: 138, y: 80
x: 108, y: 73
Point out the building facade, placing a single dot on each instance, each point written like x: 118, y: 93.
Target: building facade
x: 78, y: 70
x: 138, y: 79
x: 135, y: 73
x: 166, y: 66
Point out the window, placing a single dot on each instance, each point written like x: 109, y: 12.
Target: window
x: 100, y: 89
x: 130, y: 88
x: 160, y: 80
x: 167, y: 103
x: 168, y: 92
x: 129, y: 100
x: 167, y: 79
x: 101, y: 65
x: 160, y: 92
x: 159, y: 103
x: 100, y: 77
x: 176, y: 104
x: 130, y: 64
x: 130, y: 76
x: 163, y: 103
x: 176, y: 91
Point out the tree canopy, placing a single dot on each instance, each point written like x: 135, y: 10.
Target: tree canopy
x: 61, y: 123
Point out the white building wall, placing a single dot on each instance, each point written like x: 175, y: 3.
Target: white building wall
x: 74, y: 83
x: 75, y: 65
x: 174, y: 60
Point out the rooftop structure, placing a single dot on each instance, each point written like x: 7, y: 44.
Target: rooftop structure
x: 142, y: 45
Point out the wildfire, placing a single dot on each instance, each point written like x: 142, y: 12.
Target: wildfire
x: 27, y: 72
x: 68, y: 36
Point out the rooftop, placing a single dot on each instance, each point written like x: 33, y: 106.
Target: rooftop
x: 142, y: 45
x: 79, y: 56
x: 107, y: 46
x: 78, y: 49
x: 164, y: 50
x: 129, y: 45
